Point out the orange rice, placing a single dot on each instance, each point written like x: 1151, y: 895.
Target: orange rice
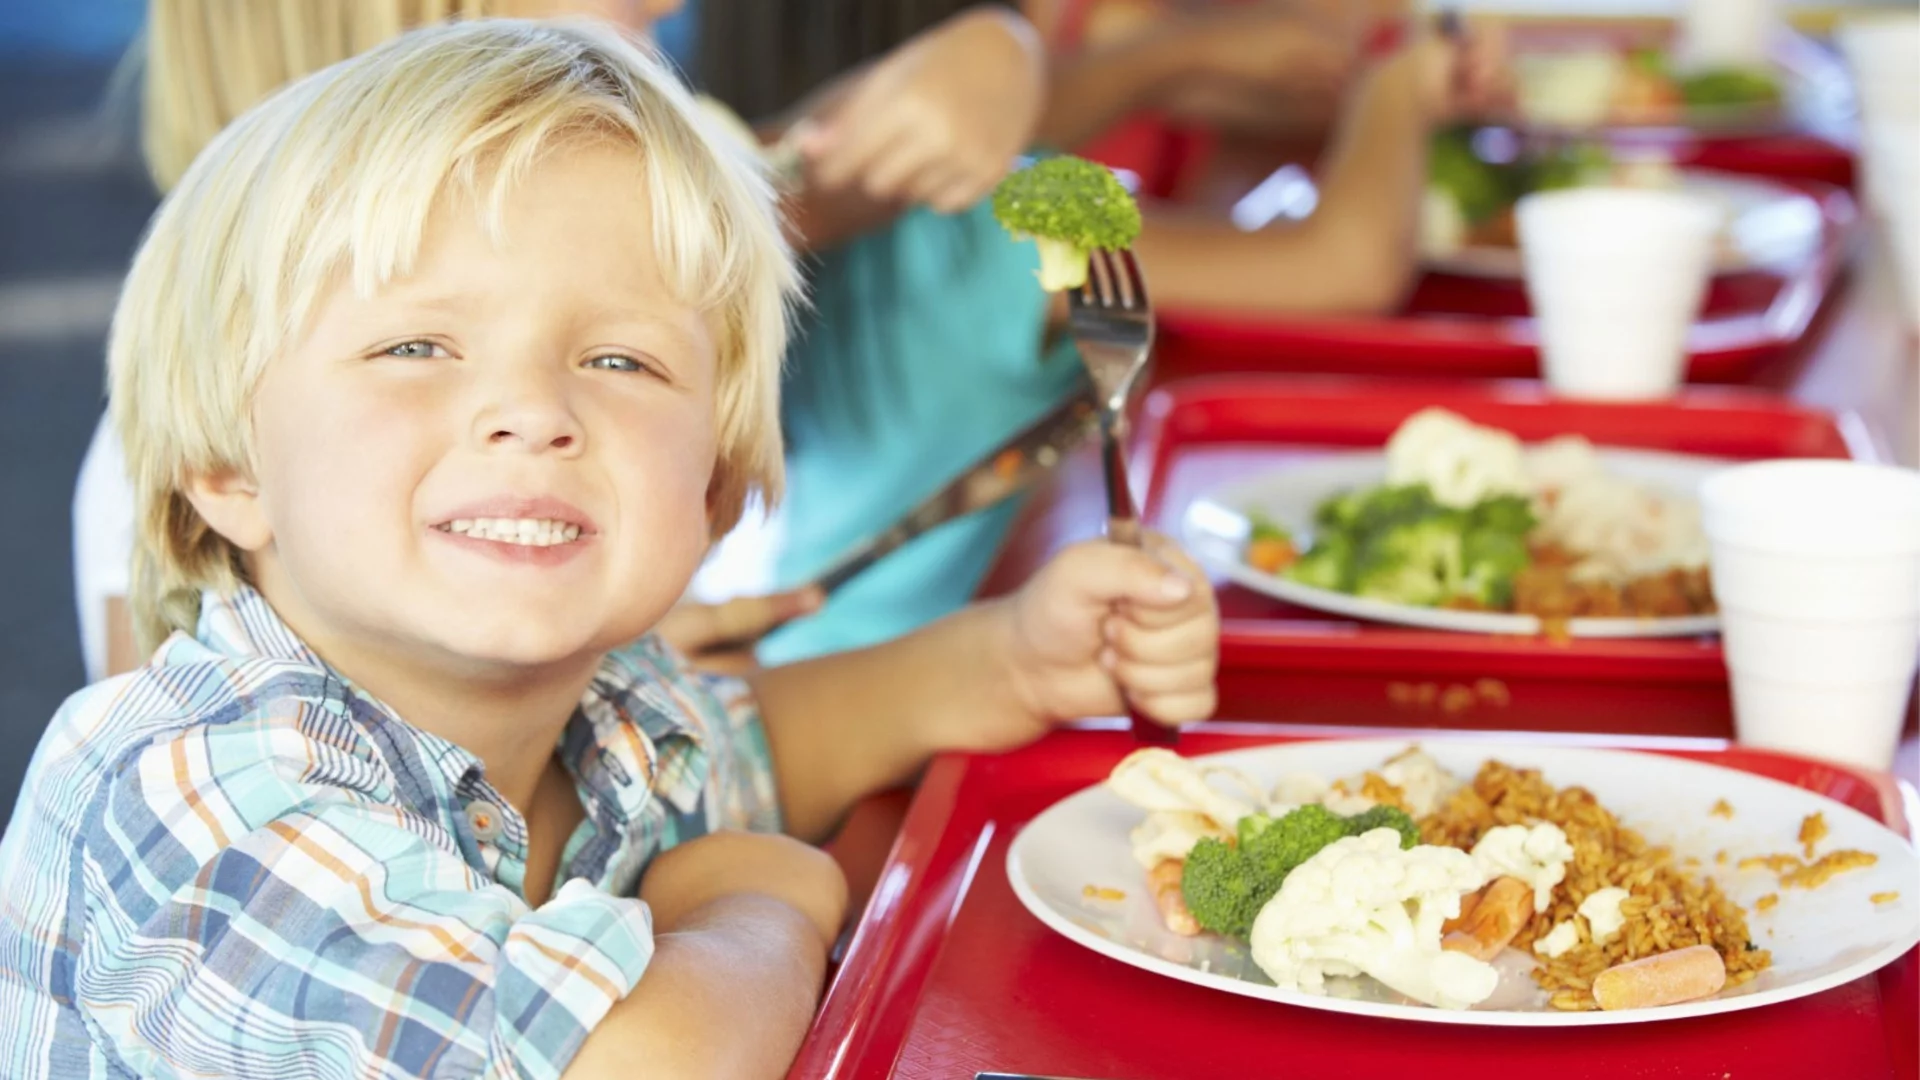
x: 1665, y: 910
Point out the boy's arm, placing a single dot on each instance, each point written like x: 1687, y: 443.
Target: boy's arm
x: 1096, y: 619
x: 730, y: 993
x: 362, y: 942
x: 844, y: 726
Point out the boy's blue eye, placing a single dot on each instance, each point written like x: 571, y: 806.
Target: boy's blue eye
x: 413, y: 350
x: 616, y: 362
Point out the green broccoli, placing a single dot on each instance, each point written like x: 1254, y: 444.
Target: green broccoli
x: 1226, y: 884
x: 1385, y: 817
x: 1222, y: 889
x: 1387, y: 507
x: 1327, y: 565
x: 1288, y: 841
x: 1721, y: 87
x: 1512, y: 514
x: 1477, y: 187
x: 1068, y: 206
x: 1490, y: 560
x: 1265, y: 528
x: 1577, y: 165
x: 1419, y: 562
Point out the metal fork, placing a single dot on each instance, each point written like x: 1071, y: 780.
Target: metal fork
x: 1112, y: 323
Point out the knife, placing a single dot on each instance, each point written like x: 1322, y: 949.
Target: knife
x: 1010, y: 468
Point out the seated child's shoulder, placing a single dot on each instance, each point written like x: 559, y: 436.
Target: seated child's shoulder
x: 174, y: 733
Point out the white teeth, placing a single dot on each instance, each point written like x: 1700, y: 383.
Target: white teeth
x: 532, y: 532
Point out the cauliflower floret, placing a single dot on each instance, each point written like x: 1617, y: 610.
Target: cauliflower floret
x: 1537, y: 855
x: 1365, y: 905
x: 1461, y: 462
x: 1298, y: 789
x: 1555, y: 942
x: 1421, y: 780
x: 1601, y: 909
x: 1171, y: 834
x: 1156, y: 779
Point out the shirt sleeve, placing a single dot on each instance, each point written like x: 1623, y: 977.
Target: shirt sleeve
x: 286, y: 920
x: 745, y: 795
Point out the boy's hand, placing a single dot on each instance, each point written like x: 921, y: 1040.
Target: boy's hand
x: 686, y: 878
x: 1103, y: 626
x: 938, y: 120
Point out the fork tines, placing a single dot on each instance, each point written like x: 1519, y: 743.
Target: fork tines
x: 1113, y: 281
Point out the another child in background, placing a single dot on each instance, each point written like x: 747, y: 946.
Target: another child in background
x: 439, y: 372
x: 929, y: 343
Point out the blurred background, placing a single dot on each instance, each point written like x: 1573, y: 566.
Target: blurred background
x: 73, y: 200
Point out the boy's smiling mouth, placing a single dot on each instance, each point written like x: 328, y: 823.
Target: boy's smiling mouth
x: 543, y: 531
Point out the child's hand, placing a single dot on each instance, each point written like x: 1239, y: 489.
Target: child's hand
x: 1102, y: 627
x: 937, y: 121
x: 1467, y: 75
x: 1270, y: 52
x: 720, y: 637
x: 686, y: 878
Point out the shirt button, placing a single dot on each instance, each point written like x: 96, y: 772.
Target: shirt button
x: 485, y: 819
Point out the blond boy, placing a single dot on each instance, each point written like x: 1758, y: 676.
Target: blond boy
x: 438, y: 374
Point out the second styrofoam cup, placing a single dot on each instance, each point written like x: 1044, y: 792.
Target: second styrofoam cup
x: 1615, y: 277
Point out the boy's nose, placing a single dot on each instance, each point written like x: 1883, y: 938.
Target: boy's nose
x: 531, y: 419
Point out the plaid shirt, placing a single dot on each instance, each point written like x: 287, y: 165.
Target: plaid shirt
x: 232, y: 863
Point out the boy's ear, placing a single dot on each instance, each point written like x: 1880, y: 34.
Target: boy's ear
x: 229, y: 502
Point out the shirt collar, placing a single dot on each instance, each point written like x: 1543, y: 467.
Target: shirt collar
x: 629, y: 718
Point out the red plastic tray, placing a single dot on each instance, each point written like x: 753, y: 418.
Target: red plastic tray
x: 1463, y: 327
x: 949, y: 975
x: 1281, y: 662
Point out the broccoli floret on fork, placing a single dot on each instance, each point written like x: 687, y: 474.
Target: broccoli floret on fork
x: 1067, y: 206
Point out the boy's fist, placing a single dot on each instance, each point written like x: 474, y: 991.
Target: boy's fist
x: 1102, y: 627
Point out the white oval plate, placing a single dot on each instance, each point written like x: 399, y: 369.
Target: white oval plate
x: 1767, y: 225
x: 1820, y: 938
x: 1215, y: 529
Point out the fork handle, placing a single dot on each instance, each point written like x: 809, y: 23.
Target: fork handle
x: 1123, y: 522
x: 1123, y: 527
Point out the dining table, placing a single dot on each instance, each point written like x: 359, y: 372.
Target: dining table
x: 945, y: 975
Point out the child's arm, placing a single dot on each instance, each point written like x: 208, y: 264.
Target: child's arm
x: 1263, y: 63
x: 290, y: 919
x: 935, y: 122
x: 993, y: 676
x: 742, y: 923
x: 1356, y: 252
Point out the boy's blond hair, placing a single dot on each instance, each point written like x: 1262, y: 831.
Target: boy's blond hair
x: 208, y: 61
x: 333, y: 179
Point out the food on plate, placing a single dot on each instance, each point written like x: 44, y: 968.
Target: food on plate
x: 1469, y: 199
x: 1663, y: 908
x: 1470, y: 519
x: 1067, y: 206
x: 1722, y: 809
x: 1812, y: 831
x: 1421, y: 880
x: 1884, y: 897
x: 1366, y: 905
x: 1597, y: 86
x: 1270, y: 546
x: 1101, y: 892
x: 1666, y: 978
x: 1822, y: 870
x: 1767, y: 902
